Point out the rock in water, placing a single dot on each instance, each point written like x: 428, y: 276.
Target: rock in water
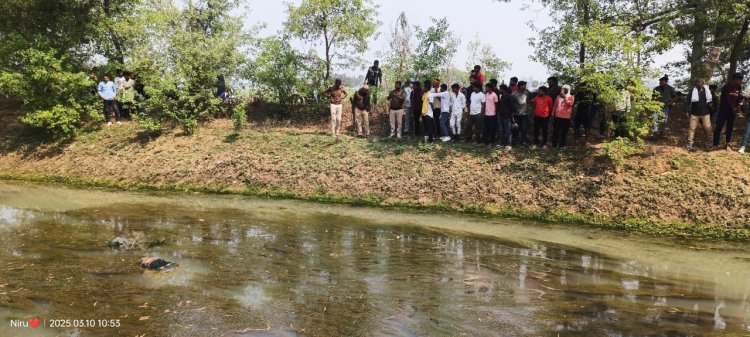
x: 155, y: 263
x: 120, y: 243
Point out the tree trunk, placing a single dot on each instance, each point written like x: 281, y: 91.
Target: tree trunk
x: 698, y: 50
x: 119, y: 56
x: 586, y: 19
x: 328, y: 54
x: 735, y: 53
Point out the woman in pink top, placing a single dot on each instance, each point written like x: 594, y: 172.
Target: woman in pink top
x: 562, y: 111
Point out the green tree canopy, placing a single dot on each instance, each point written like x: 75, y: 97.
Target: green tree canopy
x: 343, y: 27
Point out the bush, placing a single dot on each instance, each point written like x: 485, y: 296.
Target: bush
x: 239, y: 117
x: 59, y: 122
x: 56, y: 98
x: 619, y: 149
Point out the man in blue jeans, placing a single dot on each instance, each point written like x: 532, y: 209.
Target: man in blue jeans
x: 444, y: 98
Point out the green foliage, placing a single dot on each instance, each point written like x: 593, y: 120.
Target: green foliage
x: 281, y: 70
x: 182, y: 52
x: 607, y: 54
x: 59, y: 122
x: 343, y: 27
x: 55, y: 97
x: 435, y: 49
x: 239, y: 117
x: 619, y: 149
x: 398, y: 59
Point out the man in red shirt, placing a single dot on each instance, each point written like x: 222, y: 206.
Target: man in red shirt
x: 480, y: 74
x: 542, y: 111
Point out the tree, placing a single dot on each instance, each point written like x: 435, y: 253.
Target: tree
x: 483, y: 54
x: 399, y: 55
x: 184, y: 52
x: 55, y: 96
x: 67, y: 27
x: 435, y: 49
x: 281, y: 69
x: 343, y: 27
x: 608, y: 46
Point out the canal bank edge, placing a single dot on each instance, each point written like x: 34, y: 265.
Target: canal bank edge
x: 676, y: 230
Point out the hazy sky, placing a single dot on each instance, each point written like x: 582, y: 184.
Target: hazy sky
x: 509, y: 34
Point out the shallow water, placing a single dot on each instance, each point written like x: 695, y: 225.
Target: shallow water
x: 253, y: 267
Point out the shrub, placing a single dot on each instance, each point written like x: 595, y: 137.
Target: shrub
x: 56, y: 98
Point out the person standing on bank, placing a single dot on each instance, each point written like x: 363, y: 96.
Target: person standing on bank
x: 408, y: 119
x: 666, y: 94
x: 416, y: 108
x: 730, y: 104
x: 698, y: 106
x: 336, y: 95
x: 543, y: 107
x: 458, y: 105
x: 562, y: 111
x: 361, y: 103
x: 444, y: 122
x: 474, y: 123
x: 490, y: 115
x: 521, y: 98
x: 108, y: 92
x: 426, y: 113
x: 437, y: 105
x: 396, y: 100
x: 505, y: 111
x: 374, y: 78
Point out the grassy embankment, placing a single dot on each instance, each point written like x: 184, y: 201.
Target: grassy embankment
x: 667, y: 191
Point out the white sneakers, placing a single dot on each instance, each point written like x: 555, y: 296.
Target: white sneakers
x: 741, y: 150
x: 445, y: 139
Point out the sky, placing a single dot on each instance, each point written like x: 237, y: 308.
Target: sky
x: 467, y: 18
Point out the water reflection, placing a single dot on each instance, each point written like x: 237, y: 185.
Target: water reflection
x: 330, y: 275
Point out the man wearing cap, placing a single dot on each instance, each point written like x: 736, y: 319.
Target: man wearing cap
x: 336, y: 95
x: 666, y: 94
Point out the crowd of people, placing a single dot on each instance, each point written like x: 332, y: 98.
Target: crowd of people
x: 502, y: 116
x: 119, y: 95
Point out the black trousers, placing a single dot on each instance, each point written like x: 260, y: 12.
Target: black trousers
x: 490, y: 129
x: 429, y: 127
x: 436, y: 119
x: 416, y: 113
x: 585, y: 118
x: 560, y: 132
x: 111, y: 105
x: 540, y: 124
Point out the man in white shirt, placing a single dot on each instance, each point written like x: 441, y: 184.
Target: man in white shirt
x: 458, y: 103
x: 476, y: 114
x: 444, y: 98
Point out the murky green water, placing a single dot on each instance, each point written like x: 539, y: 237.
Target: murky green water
x: 276, y: 268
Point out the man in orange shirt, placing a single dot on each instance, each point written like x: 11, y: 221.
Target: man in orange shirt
x: 562, y: 113
x: 542, y: 110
